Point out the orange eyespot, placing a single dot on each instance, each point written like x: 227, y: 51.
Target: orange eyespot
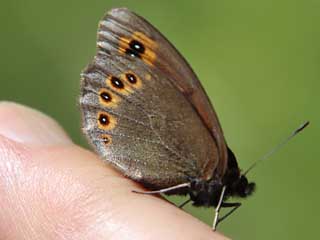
x: 107, y: 98
x: 117, y: 84
x: 139, y: 46
x: 106, y: 139
x: 105, y: 121
x: 132, y: 79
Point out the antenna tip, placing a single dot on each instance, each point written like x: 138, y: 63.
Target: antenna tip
x: 303, y: 126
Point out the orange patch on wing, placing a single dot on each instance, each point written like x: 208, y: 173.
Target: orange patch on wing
x: 148, y: 76
x: 150, y: 46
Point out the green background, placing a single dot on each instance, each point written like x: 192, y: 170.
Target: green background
x: 258, y: 61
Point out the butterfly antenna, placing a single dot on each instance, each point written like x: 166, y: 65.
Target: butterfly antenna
x: 280, y: 145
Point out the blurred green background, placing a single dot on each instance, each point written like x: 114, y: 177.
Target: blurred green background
x: 258, y: 61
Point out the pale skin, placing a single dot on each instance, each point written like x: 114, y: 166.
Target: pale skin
x: 51, y: 188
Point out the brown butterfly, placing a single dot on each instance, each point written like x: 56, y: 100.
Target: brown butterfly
x: 145, y: 112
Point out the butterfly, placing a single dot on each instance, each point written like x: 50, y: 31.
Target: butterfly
x: 146, y: 113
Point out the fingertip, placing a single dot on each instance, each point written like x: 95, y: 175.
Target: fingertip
x: 26, y: 125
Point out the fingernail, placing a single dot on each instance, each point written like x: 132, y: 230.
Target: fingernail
x: 26, y: 125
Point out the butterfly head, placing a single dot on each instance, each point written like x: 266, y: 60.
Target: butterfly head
x: 237, y: 184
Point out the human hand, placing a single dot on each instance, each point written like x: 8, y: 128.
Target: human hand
x: 51, y: 188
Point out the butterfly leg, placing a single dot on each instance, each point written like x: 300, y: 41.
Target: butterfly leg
x: 164, y: 190
x: 217, y: 209
x: 185, y: 203
x: 234, y: 207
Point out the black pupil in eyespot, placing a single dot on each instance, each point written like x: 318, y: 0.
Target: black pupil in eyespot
x: 105, y: 139
x: 103, y: 119
x: 135, y: 49
x: 137, y: 46
x: 105, y: 96
x: 116, y: 82
x: 131, y: 78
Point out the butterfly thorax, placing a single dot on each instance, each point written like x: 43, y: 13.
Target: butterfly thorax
x: 207, y: 193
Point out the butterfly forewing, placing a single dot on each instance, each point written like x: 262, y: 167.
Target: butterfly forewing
x: 134, y: 111
x: 126, y: 26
